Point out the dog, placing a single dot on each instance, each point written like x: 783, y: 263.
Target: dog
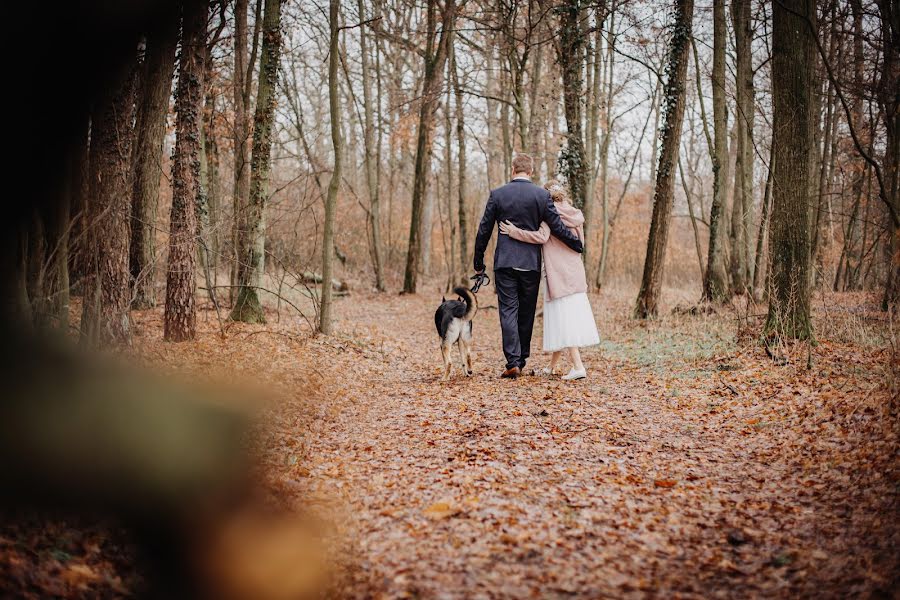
x: 453, y: 320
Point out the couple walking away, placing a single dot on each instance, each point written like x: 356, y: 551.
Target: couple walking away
x: 533, y: 221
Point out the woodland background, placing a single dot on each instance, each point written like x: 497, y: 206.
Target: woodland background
x: 288, y: 188
x: 216, y: 159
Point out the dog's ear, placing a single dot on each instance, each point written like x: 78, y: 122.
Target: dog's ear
x: 443, y: 299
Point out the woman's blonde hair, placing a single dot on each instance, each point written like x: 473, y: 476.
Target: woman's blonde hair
x: 557, y: 191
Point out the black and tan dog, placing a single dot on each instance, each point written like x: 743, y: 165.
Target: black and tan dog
x: 453, y: 320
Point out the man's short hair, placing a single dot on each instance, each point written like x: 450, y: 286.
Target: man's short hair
x: 522, y: 163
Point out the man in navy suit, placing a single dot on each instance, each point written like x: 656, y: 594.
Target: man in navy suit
x: 517, y: 265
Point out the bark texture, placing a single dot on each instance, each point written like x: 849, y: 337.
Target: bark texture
x: 325, y: 319
x: 715, y: 282
x: 370, y: 155
x: 664, y: 195
x: 180, y: 323
x: 153, y: 106
x: 247, y: 307
x: 742, y: 219
x: 105, y: 318
x: 793, y: 60
x: 570, y: 54
x: 435, y: 55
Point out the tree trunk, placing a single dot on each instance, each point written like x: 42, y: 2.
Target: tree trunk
x: 370, y: 155
x: 247, y: 307
x: 242, y: 79
x: 654, y: 149
x: 821, y: 187
x: 454, y: 271
x: 434, y: 58
x: 736, y: 234
x: 889, y: 100
x: 715, y: 283
x: 181, y: 283
x: 763, y: 228
x: 211, y: 235
x: 537, y: 112
x: 325, y: 318
x: 604, y: 147
x: 610, y: 218
x: 150, y: 129
x: 690, y: 204
x: 595, y: 89
x: 663, y: 198
x: 490, y: 119
x: 62, y: 225
x: 793, y: 62
x: 80, y: 266
x: 570, y: 54
x: 745, y: 94
x: 105, y: 318
x: 461, y: 163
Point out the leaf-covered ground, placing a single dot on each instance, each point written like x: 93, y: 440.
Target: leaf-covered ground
x: 687, y: 464
x: 683, y: 464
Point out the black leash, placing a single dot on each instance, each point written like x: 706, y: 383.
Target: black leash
x: 480, y: 280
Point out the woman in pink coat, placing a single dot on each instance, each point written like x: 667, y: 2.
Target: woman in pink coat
x: 568, y: 319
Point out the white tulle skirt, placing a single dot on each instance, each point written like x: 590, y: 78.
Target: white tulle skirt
x: 568, y: 322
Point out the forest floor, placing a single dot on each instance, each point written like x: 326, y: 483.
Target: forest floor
x: 687, y: 464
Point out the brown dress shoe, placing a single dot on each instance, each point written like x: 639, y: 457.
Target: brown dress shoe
x: 510, y: 373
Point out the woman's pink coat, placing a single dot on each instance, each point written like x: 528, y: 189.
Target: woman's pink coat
x: 563, y: 266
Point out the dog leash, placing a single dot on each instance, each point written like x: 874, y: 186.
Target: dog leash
x: 480, y: 280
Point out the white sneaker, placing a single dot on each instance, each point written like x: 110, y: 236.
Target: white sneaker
x: 547, y: 371
x: 575, y: 374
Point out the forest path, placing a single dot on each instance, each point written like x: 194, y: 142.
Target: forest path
x: 681, y: 465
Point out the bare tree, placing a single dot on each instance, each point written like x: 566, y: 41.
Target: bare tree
x: 325, y: 318
x: 793, y: 63
x: 570, y: 53
x: 742, y: 219
x: 242, y: 82
x: 370, y: 155
x: 434, y: 57
x: 150, y: 126
x: 715, y: 282
x: 181, y: 283
x: 462, y: 208
x: 105, y: 317
x: 247, y: 307
x: 663, y: 198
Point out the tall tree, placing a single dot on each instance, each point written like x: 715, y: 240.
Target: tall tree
x: 793, y: 63
x: 595, y: 81
x: 150, y: 125
x: 247, y: 307
x: 370, y: 154
x: 742, y: 219
x: 462, y: 209
x: 664, y: 195
x: 758, y: 264
x: 889, y: 101
x: 434, y: 57
x: 242, y: 81
x: 325, y: 318
x: 105, y: 317
x: 570, y: 53
x: 715, y: 281
x: 605, y: 141
x: 181, y: 282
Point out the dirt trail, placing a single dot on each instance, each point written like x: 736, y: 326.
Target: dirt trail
x: 682, y: 466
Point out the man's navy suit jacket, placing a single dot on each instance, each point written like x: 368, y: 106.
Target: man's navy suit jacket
x: 525, y: 205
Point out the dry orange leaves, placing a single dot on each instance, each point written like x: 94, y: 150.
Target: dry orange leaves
x: 686, y: 465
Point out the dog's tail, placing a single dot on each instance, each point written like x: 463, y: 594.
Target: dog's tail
x: 469, y: 298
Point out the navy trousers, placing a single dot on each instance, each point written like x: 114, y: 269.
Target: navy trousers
x: 517, y: 293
